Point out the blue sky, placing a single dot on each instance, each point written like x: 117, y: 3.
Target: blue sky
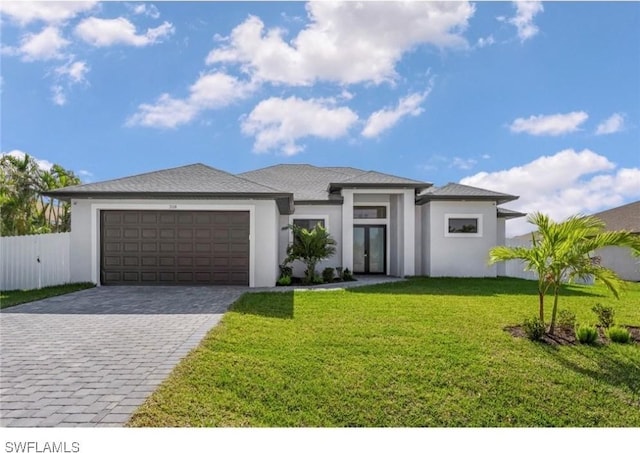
x: 541, y: 100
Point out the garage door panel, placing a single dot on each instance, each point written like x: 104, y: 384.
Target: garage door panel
x: 164, y: 247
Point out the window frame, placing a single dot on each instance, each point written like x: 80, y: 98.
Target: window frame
x: 477, y: 217
x: 372, y: 206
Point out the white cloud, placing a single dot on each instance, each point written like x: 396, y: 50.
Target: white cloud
x: 210, y: 91
x: 386, y: 118
x: 278, y: 123
x: 561, y: 185
x: 74, y: 71
x: 344, y: 42
x: 523, y: 20
x: 558, y: 124
x: 108, y: 32
x: 146, y: 9
x: 485, y: 42
x: 25, y: 12
x: 58, y: 95
x: 613, y: 124
x: 43, y: 164
x: 463, y: 164
x: 46, y: 45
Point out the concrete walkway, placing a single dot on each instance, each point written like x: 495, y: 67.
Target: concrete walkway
x: 90, y: 358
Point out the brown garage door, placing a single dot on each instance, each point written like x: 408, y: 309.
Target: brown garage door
x: 174, y: 247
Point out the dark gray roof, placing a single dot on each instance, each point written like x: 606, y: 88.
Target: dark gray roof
x: 310, y: 183
x: 190, y: 181
x: 375, y: 178
x: 509, y: 214
x: 625, y: 217
x: 454, y: 191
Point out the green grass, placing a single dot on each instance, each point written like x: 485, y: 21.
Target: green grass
x: 12, y: 298
x: 427, y: 352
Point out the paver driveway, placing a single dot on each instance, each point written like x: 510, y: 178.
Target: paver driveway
x: 90, y: 358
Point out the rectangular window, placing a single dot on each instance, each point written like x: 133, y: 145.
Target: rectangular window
x: 309, y: 224
x: 369, y: 212
x: 462, y: 225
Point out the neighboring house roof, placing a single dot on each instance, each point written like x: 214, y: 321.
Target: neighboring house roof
x: 625, y: 217
x: 190, y: 181
x: 454, y: 191
x: 309, y: 183
x: 509, y: 214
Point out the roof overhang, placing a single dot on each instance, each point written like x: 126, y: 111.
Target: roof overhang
x: 335, y: 186
x: 283, y: 200
x: 509, y: 214
x: 426, y: 198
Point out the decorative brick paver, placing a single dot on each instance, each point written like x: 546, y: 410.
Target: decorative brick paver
x: 90, y: 358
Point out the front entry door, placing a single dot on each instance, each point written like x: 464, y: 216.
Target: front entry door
x: 369, y: 249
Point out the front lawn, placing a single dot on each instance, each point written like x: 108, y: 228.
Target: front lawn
x: 11, y: 298
x: 426, y: 352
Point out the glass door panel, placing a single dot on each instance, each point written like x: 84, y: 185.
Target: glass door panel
x: 369, y: 249
x: 376, y: 249
x: 359, y: 249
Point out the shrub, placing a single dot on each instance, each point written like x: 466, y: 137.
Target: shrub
x: 586, y: 334
x: 347, y: 276
x: 285, y: 280
x: 286, y: 271
x: 327, y: 274
x: 339, y: 273
x: 619, y: 334
x: 567, y: 319
x: 534, y: 328
x: 605, y: 314
x: 317, y: 279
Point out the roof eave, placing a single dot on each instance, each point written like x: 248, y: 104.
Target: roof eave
x: 284, y: 200
x: 371, y: 185
x: 423, y: 199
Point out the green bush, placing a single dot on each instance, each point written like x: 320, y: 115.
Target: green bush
x: 339, y: 273
x: 317, y: 279
x: 567, y: 319
x: 327, y: 274
x: 534, y: 328
x: 586, y: 334
x: 605, y: 314
x: 285, y: 280
x: 286, y: 271
x: 619, y: 334
x: 347, y: 276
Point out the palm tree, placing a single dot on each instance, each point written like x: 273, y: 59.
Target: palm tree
x: 310, y: 246
x: 563, y: 251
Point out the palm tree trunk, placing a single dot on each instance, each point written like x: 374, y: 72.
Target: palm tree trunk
x: 552, y: 327
x: 541, y: 299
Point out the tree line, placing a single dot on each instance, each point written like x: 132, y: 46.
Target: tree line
x: 23, y: 208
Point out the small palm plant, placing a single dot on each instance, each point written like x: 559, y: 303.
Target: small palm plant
x: 563, y: 251
x: 310, y: 247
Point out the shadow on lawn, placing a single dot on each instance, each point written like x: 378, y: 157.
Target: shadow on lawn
x: 612, y: 367
x: 270, y: 304
x: 465, y: 287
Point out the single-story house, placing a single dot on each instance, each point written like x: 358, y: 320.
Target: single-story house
x: 620, y: 260
x: 200, y: 225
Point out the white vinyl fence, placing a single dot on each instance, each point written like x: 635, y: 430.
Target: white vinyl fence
x: 28, y: 262
x: 515, y: 268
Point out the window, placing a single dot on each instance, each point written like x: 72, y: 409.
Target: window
x: 369, y: 212
x: 463, y: 225
x: 309, y: 224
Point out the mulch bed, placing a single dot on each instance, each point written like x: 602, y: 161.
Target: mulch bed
x: 566, y: 336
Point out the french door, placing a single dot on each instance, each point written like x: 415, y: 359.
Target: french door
x: 369, y: 249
